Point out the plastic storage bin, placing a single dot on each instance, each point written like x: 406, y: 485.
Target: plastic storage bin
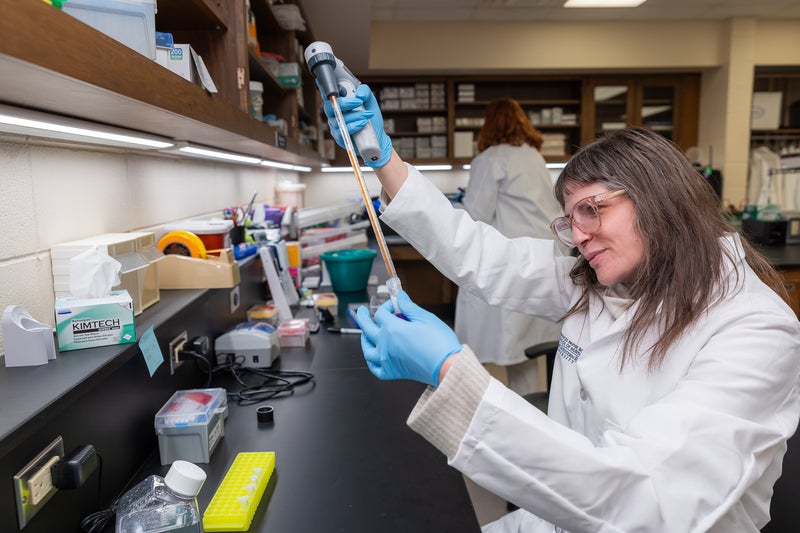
x: 131, y: 22
x: 190, y: 425
x: 290, y: 193
x: 215, y: 234
x: 349, y: 269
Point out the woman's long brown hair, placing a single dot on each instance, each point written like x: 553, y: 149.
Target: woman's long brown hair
x: 681, y: 223
x: 506, y: 123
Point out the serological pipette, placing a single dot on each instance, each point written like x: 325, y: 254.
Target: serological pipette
x: 335, y: 80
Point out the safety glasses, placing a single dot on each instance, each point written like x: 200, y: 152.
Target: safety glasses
x: 585, y: 215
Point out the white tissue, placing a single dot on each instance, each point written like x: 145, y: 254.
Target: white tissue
x: 93, y: 273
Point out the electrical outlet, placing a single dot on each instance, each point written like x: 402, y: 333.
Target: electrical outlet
x: 33, y: 485
x: 41, y: 482
x: 234, y: 299
x: 175, y: 346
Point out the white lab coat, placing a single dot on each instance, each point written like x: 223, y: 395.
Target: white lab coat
x: 511, y: 189
x: 763, y: 188
x: 695, y: 446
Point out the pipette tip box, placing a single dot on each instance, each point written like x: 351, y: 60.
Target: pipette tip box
x: 191, y: 424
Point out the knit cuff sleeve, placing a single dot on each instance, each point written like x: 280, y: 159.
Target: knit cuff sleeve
x: 442, y: 415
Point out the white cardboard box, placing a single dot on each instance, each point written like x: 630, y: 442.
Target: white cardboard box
x: 179, y: 61
x: 766, y: 111
x: 462, y: 144
x: 90, y: 322
x: 184, y: 61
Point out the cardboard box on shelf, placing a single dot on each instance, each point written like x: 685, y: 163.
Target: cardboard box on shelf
x: 186, y: 63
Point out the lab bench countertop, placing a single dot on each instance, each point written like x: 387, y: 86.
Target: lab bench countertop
x: 345, y: 458
x: 784, y: 257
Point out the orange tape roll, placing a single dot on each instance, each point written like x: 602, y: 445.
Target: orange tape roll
x: 182, y: 243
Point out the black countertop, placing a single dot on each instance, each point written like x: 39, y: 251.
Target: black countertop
x: 784, y: 257
x: 345, y: 458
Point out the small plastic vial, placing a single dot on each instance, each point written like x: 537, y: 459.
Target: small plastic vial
x: 381, y: 295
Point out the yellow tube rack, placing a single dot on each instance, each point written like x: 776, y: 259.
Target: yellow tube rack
x: 234, y: 504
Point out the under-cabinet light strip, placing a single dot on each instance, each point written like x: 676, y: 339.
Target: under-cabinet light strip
x: 217, y: 154
x: 369, y: 169
x: 33, y: 123
x: 28, y: 122
x: 603, y: 3
x: 207, y: 153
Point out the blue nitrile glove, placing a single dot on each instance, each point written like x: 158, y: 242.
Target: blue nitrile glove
x: 405, y: 349
x: 356, y: 119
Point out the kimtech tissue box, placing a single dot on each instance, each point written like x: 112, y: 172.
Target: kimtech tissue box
x: 89, y: 322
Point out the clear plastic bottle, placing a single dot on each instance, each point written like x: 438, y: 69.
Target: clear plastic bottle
x: 381, y: 295
x: 159, y: 504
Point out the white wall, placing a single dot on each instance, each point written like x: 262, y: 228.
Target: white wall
x: 724, y: 51
x: 53, y: 193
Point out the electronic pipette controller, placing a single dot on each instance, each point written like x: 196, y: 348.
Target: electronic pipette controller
x: 335, y: 79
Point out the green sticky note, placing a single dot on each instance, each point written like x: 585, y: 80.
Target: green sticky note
x: 148, y: 344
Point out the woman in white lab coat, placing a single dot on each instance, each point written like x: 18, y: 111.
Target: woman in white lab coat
x: 510, y: 189
x: 676, y: 382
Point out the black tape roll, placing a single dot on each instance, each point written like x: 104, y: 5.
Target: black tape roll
x: 265, y: 413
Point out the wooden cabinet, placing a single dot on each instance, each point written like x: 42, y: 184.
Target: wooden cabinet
x: 791, y: 280
x: 668, y: 104
x: 786, y: 81
x: 569, y: 110
x: 53, y: 62
x: 552, y: 104
x: 416, y: 116
x: 424, y: 284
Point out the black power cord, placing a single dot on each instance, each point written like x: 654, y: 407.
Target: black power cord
x: 99, y: 521
x: 197, y: 349
x: 273, y: 383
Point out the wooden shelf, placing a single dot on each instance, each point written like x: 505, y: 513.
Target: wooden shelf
x: 523, y: 103
x: 191, y: 15
x: 574, y: 94
x: 55, y: 63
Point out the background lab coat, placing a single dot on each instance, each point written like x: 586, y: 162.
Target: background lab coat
x: 696, y: 446
x: 511, y: 189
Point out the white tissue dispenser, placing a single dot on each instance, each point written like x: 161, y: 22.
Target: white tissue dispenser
x: 89, y: 322
x: 27, y: 341
x: 136, y: 251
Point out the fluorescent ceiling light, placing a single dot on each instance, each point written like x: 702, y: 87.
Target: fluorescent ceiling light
x: 275, y: 164
x: 38, y: 124
x: 551, y: 166
x: 285, y: 166
x: 217, y: 154
x: 370, y: 169
x: 344, y: 169
x: 434, y: 167
x: 603, y: 3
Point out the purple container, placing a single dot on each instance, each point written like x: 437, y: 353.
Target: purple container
x: 273, y: 214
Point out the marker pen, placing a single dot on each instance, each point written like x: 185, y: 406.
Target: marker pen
x: 355, y: 331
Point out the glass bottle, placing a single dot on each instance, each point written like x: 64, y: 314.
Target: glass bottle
x: 381, y: 295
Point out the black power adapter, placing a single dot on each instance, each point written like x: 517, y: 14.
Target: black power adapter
x: 73, y: 470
